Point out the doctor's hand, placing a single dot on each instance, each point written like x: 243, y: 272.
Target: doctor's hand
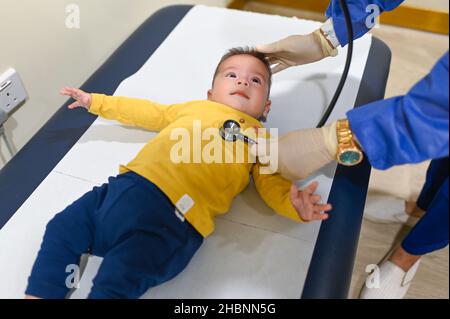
x: 300, y: 153
x: 82, y: 99
x: 297, y: 50
x: 306, y: 203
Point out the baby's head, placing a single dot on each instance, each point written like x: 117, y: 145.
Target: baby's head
x: 242, y: 81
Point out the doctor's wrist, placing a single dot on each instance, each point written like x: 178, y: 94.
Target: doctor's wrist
x: 328, y: 31
x: 330, y: 139
x: 324, y: 44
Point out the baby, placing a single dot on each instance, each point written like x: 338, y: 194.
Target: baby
x: 148, y: 221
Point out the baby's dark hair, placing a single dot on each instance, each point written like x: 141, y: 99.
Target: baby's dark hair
x: 246, y: 51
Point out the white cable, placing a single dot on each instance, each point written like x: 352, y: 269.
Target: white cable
x: 5, y: 138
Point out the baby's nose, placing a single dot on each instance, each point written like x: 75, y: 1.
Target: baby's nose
x: 241, y: 82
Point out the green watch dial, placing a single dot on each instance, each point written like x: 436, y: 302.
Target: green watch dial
x: 349, y: 157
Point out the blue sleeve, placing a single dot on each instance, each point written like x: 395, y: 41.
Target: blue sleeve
x: 406, y: 129
x: 360, y: 12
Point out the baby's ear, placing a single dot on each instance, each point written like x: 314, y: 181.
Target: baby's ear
x: 209, y: 94
x: 267, y: 108
x: 263, y: 117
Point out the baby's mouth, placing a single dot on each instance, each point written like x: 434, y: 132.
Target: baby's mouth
x: 241, y: 93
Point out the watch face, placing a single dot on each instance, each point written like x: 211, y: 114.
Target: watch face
x: 350, y: 157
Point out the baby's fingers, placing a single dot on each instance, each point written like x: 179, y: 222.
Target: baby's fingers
x: 318, y: 216
x: 74, y: 105
x: 64, y: 91
x: 315, y: 198
x: 322, y: 208
x: 72, y: 92
x: 311, y: 188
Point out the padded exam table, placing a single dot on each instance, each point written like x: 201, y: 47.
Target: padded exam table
x: 253, y: 253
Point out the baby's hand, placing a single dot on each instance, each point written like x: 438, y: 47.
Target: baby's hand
x: 82, y: 98
x: 306, y: 202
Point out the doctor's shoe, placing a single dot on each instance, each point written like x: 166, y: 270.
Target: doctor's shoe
x: 387, y: 209
x: 388, y: 281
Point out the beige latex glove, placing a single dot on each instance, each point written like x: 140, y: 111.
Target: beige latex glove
x: 300, y: 153
x: 297, y: 50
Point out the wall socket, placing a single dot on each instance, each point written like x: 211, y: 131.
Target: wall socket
x: 12, y: 91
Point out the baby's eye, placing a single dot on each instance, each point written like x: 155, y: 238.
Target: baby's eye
x: 256, y: 80
x: 230, y: 75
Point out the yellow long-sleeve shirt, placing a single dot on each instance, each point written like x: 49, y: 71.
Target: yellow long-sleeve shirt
x: 201, y: 190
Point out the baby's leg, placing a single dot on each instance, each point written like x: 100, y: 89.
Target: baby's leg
x: 144, y: 260
x: 67, y: 236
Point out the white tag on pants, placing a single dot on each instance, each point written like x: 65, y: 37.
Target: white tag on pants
x: 183, y: 205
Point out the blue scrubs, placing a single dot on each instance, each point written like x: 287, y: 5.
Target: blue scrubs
x: 360, y: 13
x: 129, y: 222
x: 431, y: 232
x: 406, y: 129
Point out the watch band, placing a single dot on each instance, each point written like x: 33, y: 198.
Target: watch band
x: 344, y: 134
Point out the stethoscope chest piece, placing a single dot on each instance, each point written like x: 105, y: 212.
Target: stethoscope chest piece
x: 231, y: 130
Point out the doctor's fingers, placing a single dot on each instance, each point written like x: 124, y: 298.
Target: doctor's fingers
x: 270, y: 48
x: 274, y: 59
x: 264, y: 147
x: 279, y: 67
x: 288, y: 44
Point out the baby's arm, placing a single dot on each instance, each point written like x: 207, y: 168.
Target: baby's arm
x: 138, y: 112
x: 286, y: 199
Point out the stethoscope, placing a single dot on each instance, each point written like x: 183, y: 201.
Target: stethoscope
x: 231, y: 131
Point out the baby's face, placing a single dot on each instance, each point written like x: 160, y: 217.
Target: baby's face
x: 242, y: 82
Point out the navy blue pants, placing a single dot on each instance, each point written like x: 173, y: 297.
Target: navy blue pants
x: 130, y: 223
x: 431, y: 232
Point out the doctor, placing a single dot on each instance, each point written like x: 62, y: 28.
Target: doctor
x: 403, y: 129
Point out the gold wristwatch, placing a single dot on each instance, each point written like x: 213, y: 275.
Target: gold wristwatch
x: 348, y: 153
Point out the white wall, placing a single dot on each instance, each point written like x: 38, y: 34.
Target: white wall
x: 36, y: 42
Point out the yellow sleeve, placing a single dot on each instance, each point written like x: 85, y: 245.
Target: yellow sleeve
x: 275, y: 191
x: 138, y: 112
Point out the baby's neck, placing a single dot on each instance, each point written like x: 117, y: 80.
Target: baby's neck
x: 237, y: 109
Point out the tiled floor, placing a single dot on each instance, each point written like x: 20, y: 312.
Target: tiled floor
x: 413, y: 54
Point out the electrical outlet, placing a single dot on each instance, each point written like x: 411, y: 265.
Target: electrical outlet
x: 12, y: 91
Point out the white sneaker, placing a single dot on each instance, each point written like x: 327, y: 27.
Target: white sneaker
x: 393, y: 282
x: 387, y: 209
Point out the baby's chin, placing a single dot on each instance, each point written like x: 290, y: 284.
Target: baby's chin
x: 243, y: 107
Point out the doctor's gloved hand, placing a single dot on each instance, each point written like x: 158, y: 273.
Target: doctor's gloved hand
x: 298, y: 154
x: 306, y: 203
x: 297, y: 50
x: 82, y: 99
